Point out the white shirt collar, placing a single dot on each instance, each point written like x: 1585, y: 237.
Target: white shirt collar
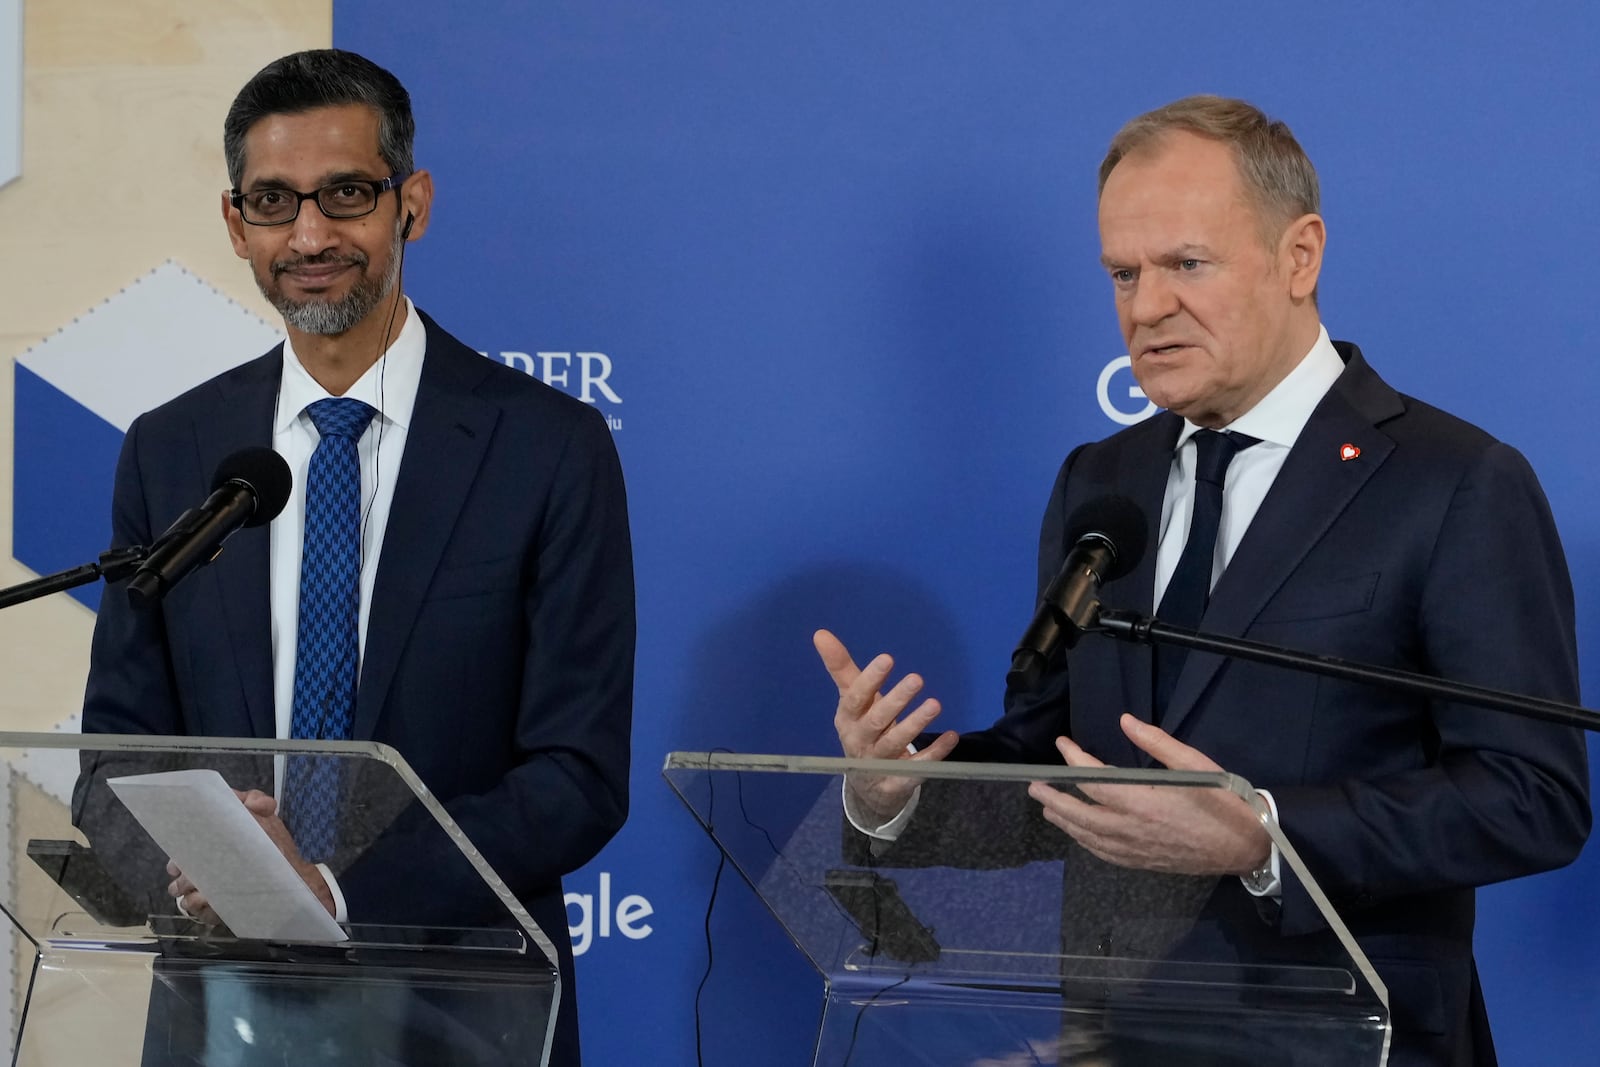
x: 389, y: 385
x: 1279, y: 416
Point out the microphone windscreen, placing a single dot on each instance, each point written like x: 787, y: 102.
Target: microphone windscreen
x: 267, y: 475
x: 1115, y: 519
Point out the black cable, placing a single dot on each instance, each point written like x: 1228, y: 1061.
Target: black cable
x: 778, y: 854
x: 711, y: 902
x: 383, y: 372
x: 855, y: 1031
x: 716, y: 880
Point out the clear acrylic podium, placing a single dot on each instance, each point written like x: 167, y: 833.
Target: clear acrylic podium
x: 438, y: 965
x: 982, y: 936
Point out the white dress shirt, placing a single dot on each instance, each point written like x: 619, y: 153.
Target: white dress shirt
x: 1277, y: 421
x: 390, y: 387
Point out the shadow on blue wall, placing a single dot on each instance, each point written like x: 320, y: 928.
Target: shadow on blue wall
x: 756, y: 685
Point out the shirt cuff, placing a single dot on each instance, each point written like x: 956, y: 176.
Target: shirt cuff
x: 888, y: 831
x: 1269, y: 887
x: 340, y: 913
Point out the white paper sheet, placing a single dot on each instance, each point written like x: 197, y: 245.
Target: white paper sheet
x: 214, y: 839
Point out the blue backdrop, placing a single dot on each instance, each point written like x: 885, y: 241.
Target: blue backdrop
x: 841, y: 260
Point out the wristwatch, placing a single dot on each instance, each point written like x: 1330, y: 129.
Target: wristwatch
x: 1260, y: 881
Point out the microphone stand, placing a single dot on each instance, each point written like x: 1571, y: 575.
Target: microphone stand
x: 1148, y: 630
x: 113, y: 565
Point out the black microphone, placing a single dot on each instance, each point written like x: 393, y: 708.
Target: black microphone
x: 1108, y: 536
x: 249, y: 489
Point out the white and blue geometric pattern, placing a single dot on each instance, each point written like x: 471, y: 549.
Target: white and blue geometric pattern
x: 79, y: 390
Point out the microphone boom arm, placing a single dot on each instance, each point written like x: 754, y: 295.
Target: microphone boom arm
x: 1144, y: 629
x: 113, y: 565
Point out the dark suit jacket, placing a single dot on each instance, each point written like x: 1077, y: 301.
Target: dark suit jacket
x: 1433, y: 551
x: 499, y: 652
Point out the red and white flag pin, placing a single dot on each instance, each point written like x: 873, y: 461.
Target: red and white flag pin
x: 1347, y: 452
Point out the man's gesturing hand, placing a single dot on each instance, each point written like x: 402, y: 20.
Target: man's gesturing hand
x: 875, y: 725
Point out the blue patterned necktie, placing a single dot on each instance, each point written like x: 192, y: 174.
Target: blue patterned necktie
x: 327, y: 642
x: 1189, y: 589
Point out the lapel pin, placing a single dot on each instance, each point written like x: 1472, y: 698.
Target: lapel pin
x: 1348, y: 452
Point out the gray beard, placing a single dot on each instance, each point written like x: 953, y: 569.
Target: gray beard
x: 328, y: 317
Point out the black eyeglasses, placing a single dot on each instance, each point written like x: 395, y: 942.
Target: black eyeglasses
x: 348, y: 199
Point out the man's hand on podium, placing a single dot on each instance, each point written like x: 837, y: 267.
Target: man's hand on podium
x: 874, y: 725
x: 192, y: 902
x: 1159, y: 828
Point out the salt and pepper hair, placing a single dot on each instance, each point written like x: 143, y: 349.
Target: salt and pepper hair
x: 325, y: 77
x: 1277, y: 174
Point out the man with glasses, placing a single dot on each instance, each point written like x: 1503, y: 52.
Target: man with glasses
x: 452, y: 574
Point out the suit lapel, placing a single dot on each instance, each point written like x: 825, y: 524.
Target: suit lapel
x: 1314, y: 487
x: 1144, y: 469
x: 449, y: 434
x: 241, y: 573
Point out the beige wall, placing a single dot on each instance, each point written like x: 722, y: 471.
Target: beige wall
x: 122, y: 170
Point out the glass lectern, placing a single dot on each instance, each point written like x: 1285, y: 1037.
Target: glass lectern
x: 438, y: 964
x: 981, y: 935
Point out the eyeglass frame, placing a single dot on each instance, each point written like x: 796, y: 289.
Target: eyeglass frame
x: 379, y: 187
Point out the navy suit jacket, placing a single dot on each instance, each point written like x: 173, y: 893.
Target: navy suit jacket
x: 1433, y: 550
x: 499, y: 651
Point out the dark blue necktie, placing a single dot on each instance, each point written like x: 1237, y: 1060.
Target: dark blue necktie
x: 1189, y: 590
x: 327, y: 643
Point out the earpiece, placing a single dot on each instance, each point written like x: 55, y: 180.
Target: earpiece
x: 405, y: 231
